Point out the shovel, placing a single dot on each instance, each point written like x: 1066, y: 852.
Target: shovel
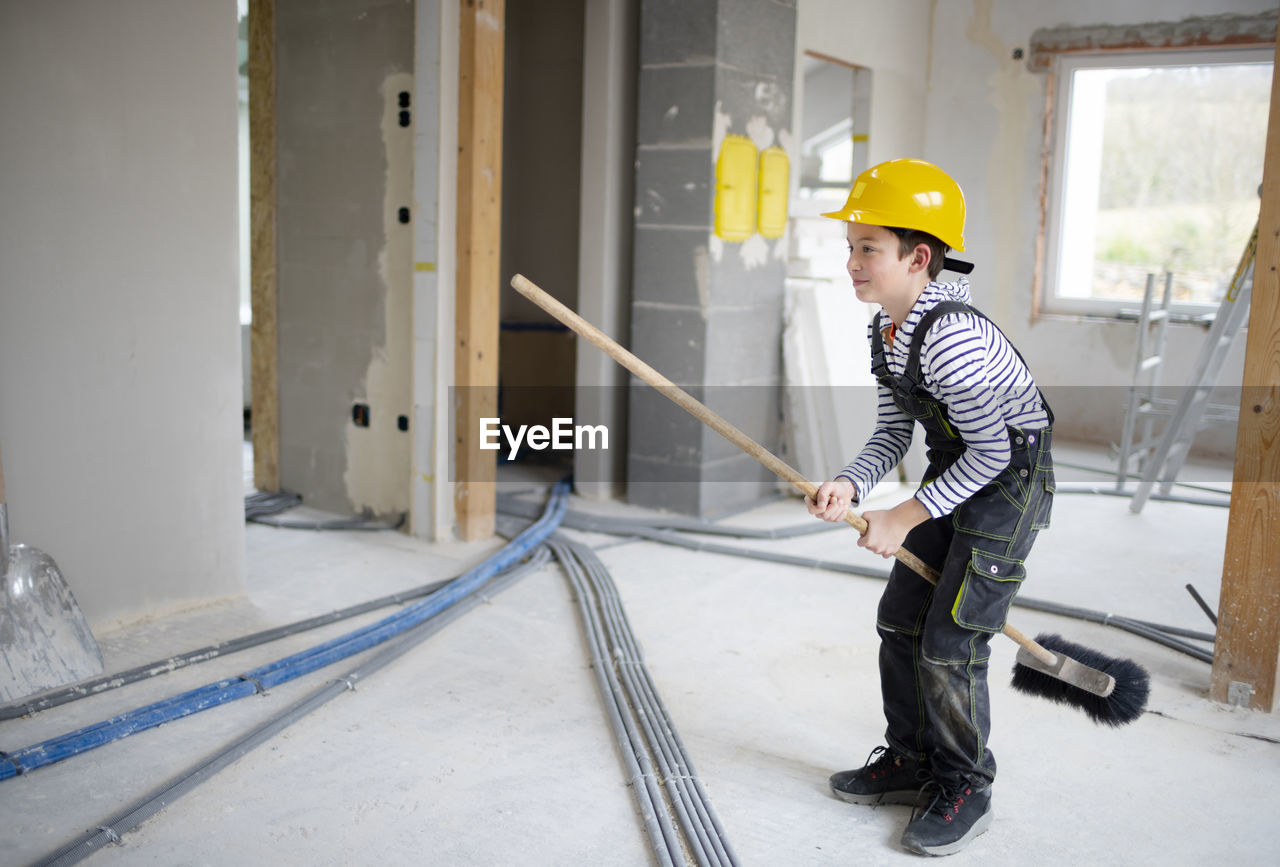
x: 44, y: 639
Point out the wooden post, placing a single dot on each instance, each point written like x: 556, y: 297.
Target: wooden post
x: 1247, y: 649
x: 264, y: 382
x: 480, y: 48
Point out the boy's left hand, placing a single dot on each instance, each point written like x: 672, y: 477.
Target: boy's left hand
x: 887, y: 529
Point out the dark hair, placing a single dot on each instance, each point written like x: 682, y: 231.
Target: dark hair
x: 909, y: 238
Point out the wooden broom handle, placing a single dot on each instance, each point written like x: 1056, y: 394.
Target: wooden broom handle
x: 709, y: 417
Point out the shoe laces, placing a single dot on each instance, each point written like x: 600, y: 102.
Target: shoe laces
x: 881, y: 762
x: 946, y: 801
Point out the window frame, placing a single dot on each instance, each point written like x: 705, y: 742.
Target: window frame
x: 1056, y: 158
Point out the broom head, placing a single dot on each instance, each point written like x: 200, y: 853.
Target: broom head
x: 1111, y: 691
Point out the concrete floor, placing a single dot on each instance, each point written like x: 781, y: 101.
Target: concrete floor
x: 487, y: 744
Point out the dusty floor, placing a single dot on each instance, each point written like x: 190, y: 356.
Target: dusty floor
x: 487, y: 744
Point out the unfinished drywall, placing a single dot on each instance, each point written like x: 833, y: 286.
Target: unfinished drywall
x: 120, y: 404
x: 434, y: 188
x: 611, y: 33
x: 344, y: 253
x: 986, y: 114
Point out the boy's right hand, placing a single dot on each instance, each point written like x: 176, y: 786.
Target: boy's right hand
x: 832, y: 500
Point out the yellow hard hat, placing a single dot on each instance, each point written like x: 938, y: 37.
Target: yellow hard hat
x: 907, y: 194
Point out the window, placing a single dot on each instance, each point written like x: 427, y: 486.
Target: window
x: 1155, y: 167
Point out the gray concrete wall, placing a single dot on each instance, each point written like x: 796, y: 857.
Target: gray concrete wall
x: 120, y: 386
x: 985, y: 113
x: 706, y: 312
x: 344, y: 259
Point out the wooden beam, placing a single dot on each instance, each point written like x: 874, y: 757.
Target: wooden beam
x: 264, y: 381
x: 480, y: 68
x: 1247, y: 650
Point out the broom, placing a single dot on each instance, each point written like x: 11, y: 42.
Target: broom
x: 1110, y: 691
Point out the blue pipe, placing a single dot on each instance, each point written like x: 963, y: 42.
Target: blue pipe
x: 264, y: 677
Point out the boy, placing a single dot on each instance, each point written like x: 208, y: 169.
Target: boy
x: 985, y: 495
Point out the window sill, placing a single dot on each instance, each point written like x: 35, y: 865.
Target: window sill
x: 1201, y: 320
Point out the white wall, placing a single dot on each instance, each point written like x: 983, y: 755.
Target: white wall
x: 985, y: 126
x: 891, y: 39
x: 120, y: 385
x: 824, y: 428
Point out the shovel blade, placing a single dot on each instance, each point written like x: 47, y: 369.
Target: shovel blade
x: 44, y: 639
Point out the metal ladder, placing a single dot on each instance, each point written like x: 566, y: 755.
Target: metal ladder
x: 1142, y: 401
x: 1189, y: 414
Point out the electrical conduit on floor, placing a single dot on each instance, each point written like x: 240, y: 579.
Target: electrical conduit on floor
x: 659, y: 530
x: 26, y: 759
x: 113, y: 827
x: 663, y: 780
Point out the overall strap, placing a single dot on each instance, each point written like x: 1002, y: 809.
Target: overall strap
x: 942, y: 308
x: 879, y: 366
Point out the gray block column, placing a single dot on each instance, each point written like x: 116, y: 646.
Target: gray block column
x: 706, y: 312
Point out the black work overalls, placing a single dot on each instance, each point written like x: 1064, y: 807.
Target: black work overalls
x: 934, y: 641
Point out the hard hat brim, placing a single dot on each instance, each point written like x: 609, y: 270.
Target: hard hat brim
x: 874, y: 219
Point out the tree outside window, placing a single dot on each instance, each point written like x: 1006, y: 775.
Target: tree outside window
x: 1157, y: 166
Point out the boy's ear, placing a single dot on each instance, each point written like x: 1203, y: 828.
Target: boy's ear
x: 920, y: 257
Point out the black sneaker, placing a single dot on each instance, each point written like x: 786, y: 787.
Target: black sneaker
x: 889, y: 777
x: 953, y: 818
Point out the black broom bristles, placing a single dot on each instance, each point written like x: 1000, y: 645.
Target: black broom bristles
x: 1125, y: 703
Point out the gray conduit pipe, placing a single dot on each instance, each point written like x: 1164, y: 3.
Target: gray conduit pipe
x: 1110, y: 473
x: 1086, y: 488
x: 110, y: 829
x: 680, y: 768
x: 623, y: 663
x: 107, y: 682
x: 511, y: 505
x: 1120, y: 622
x: 638, y: 529
x: 654, y: 725
x: 663, y: 837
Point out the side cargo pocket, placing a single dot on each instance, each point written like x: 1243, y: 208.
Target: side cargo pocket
x: 990, y: 583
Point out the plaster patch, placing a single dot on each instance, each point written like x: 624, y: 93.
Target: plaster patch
x: 978, y: 31
x: 771, y: 97
x: 719, y: 128
x: 760, y: 133
x: 379, y: 470
x: 754, y: 251
x: 715, y: 246
x: 702, y: 277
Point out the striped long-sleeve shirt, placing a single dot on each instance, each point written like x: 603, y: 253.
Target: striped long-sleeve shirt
x: 968, y: 365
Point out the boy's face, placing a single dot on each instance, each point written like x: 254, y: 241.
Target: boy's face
x: 879, y: 276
